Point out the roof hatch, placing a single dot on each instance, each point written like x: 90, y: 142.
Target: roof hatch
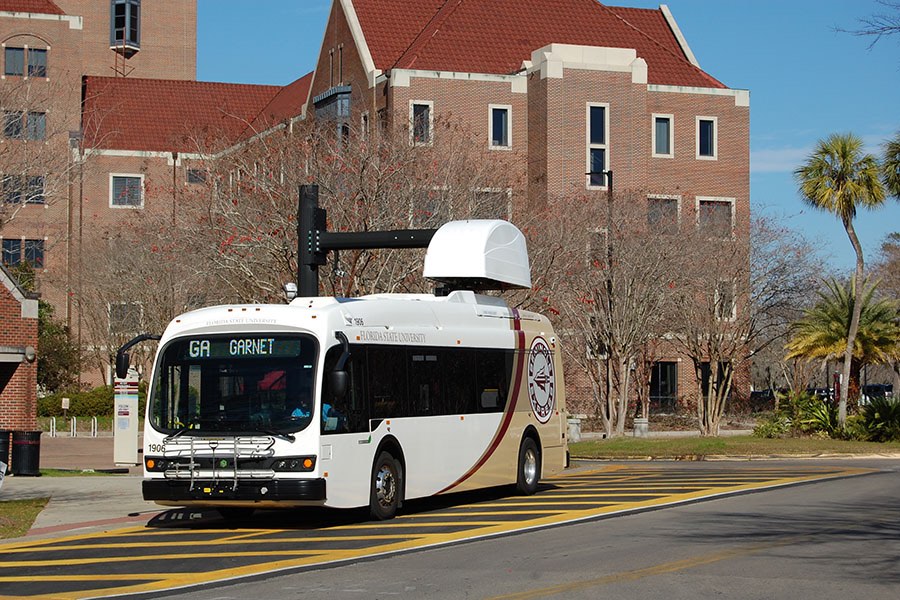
x: 478, y: 255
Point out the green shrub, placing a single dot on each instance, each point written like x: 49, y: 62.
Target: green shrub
x: 772, y: 426
x: 881, y: 419
x: 97, y: 402
x: 819, y: 417
x: 799, y: 414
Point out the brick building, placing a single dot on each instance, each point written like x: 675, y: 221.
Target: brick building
x: 18, y: 344
x: 555, y: 88
x: 48, y: 46
x: 567, y: 87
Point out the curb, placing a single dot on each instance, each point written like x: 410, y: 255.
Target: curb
x: 738, y: 457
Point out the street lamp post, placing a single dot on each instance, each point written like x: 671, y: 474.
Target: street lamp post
x: 609, y: 281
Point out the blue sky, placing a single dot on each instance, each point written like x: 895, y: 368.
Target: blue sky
x: 806, y: 81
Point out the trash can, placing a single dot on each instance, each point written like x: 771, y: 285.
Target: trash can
x: 26, y: 453
x: 4, y: 446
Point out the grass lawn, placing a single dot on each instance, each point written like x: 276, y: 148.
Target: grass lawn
x: 16, y: 516
x: 749, y: 446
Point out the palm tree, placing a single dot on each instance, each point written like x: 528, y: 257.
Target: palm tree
x: 839, y: 178
x: 822, y: 331
x: 890, y: 167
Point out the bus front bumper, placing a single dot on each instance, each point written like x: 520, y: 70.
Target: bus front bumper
x: 271, y: 490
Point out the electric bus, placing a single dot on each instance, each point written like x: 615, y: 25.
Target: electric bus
x: 368, y: 401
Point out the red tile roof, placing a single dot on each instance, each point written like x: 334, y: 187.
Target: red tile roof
x: 286, y: 104
x: 43, y: 7
x: 184, y: 116
x: 495, y: 36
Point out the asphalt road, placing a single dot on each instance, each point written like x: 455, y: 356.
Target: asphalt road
x: 833, y: 539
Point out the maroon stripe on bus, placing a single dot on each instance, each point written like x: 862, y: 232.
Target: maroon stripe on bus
x: 510, y: 408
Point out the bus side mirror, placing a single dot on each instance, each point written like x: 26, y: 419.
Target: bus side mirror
x: 122, y: 364
x: 338, y: 383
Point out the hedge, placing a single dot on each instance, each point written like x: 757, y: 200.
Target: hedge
x: 97, y: 402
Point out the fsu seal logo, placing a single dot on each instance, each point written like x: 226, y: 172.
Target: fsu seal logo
x: 541, y: 382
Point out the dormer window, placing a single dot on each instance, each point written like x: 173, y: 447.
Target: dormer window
x: 125, y: 26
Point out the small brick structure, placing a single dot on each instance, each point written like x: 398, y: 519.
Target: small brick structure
x: 18, y: 347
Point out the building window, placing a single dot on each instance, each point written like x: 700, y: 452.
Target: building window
x: 33, y: 253
x: 597, y: 144
x: 37, y: 62
x: 12, y: 252
x: 598, y: 247
x: 12, y: 189
x: 15, y: 62
x: 12, y: 124
x: 21, y: 125
x: 196, y: 176
x: 663, y: 214
x: 35, y: 190
x: 662, y: 136
x: 125, y: 24
x: 726, y: 310
x: 491, y: 204
x: 126, y: 191
x: 499, y: 117
x: 715, y: 216
x: 35, y: 126
x: 421, y: 122
x: 664, y: 387
x: 125, y: 317
x: 20, y: 188
x: 707, y: 134
x: 429, y: 209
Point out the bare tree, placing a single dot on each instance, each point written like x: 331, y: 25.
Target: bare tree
x: 36, y: 157
x: 612, y: 287
x: 786, y: 270
x: 879, y: 25
x: 244, y: 225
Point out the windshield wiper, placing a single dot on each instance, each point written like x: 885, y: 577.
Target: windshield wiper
x: 180, y: 432
x: 284, y: 436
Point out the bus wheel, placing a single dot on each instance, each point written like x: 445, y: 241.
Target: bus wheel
x: 529, y: 467
x: 385, y: 495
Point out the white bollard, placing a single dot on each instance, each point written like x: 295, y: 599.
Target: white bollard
x: 52, y: 426
x: 93, y: 426
x: 74, y: 426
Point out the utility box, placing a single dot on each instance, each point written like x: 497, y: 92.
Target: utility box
x: 125, y: 420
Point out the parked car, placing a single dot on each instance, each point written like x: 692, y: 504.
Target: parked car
x: 824, y: 394
x: 761, y: 400
x: 876, y: 390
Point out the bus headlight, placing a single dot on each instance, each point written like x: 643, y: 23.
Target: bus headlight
x: 300, y: 464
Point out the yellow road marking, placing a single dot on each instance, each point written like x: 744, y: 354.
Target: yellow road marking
x: 419, y: 537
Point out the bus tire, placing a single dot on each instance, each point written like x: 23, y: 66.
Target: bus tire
x: 529, y: 471
x: 384, y: 498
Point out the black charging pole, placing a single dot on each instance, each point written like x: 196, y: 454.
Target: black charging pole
x: 314, y: 241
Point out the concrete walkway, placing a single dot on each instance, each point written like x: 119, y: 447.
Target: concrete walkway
x: 86, y: 502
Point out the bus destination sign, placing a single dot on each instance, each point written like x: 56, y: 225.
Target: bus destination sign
x: 241, y: 347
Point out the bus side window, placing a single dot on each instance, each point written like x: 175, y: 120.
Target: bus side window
x: 492, y: 372
x: 349, y: 414
x: 424, y: 367
x: 387, y: 382
x: 459, y: 381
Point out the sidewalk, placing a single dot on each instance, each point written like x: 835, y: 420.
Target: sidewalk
x: 87, y: 502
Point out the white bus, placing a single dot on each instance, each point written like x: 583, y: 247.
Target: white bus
x: 360, y: 401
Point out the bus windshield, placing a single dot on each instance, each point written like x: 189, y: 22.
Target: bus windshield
x: 252, y: 383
